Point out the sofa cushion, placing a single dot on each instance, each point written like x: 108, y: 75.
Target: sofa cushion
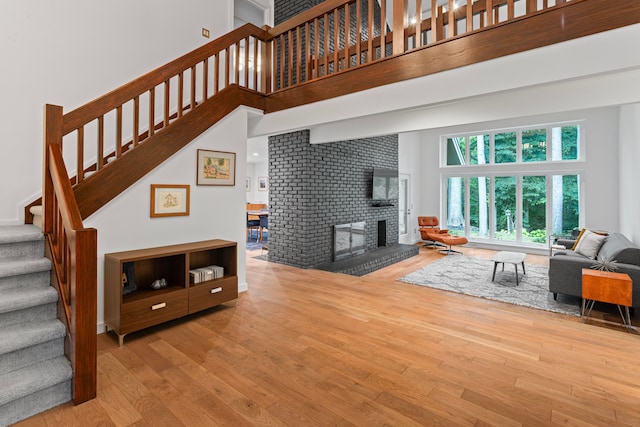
x: 618, y: 247
x: 577, y: 240
x: 589, y: 244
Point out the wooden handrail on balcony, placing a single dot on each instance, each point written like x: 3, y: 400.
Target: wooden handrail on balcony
x: 341, y: 46
x: 338, y: 35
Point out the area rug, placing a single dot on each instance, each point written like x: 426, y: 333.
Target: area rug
x: 253, y: 244
x: 472, y: 276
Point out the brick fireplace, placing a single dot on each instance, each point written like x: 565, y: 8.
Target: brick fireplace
x: 313, y: 187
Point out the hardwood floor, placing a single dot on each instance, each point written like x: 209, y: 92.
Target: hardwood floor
x: 311, y: 348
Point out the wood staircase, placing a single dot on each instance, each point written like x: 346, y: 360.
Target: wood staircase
x: 270, y: 69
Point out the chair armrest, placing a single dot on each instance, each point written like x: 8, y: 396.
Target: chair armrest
x: 565, y: 242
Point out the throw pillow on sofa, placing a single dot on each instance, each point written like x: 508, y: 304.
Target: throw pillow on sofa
x: 577, y: 240
x: 589, y: 244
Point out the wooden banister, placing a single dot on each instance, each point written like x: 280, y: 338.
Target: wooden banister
x: 98, y: 189
x: 73, y: 252
x: 109, y: 102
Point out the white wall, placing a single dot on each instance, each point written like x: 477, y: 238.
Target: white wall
x: 68, y: 53
x: 254, y: 171
x: 409, y: 163
x: 629, y: 154
x: 216, y: 212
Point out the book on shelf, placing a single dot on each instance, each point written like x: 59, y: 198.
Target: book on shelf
x: 203, y: 274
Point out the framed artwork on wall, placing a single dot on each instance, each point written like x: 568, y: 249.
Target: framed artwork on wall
x: 216, y: 168
x: 169, y: 200
x: 247, y: 184
x: 263, y: 183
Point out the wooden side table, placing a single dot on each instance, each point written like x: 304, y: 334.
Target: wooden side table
x: 609, y: 287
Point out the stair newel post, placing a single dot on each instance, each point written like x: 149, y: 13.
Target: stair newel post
x: 85, y: 316
x: 52, y: 135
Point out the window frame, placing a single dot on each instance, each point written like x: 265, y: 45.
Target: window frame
x: 519, y: 169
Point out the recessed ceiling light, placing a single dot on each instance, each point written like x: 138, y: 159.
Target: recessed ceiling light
x: 256, y: 154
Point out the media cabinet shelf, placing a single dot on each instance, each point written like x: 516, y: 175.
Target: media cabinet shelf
x: 147, y: 307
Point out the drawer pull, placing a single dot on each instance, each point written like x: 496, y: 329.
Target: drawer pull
x: 159, y: 306
x: 215, y: 290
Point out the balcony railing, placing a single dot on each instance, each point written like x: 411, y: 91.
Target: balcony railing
x: 339, y: 35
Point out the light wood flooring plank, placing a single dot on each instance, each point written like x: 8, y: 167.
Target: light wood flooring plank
x: 312, y: 348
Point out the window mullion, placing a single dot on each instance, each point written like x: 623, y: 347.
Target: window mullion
x: 519, y: 209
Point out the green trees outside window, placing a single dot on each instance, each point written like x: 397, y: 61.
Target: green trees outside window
x: 534, y: 145
x: 518, y: 206
x: 505, y: 208
x: 505, y: 147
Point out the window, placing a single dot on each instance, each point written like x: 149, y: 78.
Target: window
x: 456, y: 149
x: 513, y: 185
x: 565, y: 201
x: 565, y: 142
x: 534, y: 145
x: 479, y: 192
x: 534, y: 209
x: 455, y: 206
x: 479, y: 149
x: 504, y: 208
x: 505, y: 147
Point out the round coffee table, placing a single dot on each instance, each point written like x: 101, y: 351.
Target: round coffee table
x: 506, y: 257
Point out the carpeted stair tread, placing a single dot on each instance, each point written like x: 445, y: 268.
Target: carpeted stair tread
x: 20, y: 299
x: 40, y: 376
x: 20, y: 233
x: 24, y: 266
x: 16, y: 337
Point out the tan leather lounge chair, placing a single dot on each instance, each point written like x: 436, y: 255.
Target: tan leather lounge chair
x: 434, y: 236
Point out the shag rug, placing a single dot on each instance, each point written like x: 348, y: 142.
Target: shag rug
x: 472, y: 276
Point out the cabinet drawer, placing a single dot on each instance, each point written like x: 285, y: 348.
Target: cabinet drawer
x: 210, y: 294
x: 153, y: 310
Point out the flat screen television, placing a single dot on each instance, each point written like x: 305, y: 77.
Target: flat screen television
x: 385, y: 184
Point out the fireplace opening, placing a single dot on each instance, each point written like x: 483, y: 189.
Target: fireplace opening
x: 382, y: 233
x: 348, y: 240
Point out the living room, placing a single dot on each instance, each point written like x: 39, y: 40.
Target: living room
x: 604, y: 87
x: 537, y: 87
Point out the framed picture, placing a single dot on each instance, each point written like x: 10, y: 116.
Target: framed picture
x: 216, y: 168
x: 169, y: 200
x: 263, y: 183
x: 247, y: 184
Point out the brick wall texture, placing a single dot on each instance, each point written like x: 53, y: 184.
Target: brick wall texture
x: 313, y: 187
x: 286, y: 9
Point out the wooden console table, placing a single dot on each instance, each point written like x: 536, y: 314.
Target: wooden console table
x: 609, y: 287
x: 191, y: 285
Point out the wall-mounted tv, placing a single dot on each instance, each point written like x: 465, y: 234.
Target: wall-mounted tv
x: 385, y: 184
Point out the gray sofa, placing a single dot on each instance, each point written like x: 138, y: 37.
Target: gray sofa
x: 565, y: 267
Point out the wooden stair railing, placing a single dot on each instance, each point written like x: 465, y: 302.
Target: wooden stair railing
x: 335, y: 48
x: 213, y: 80
x: 151, y: 104
x: 73, y: 253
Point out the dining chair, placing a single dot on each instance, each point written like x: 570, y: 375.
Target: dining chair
x: 264, y: 225
x: 252, y: 224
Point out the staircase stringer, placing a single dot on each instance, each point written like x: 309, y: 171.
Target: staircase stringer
x: 103, y: 186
